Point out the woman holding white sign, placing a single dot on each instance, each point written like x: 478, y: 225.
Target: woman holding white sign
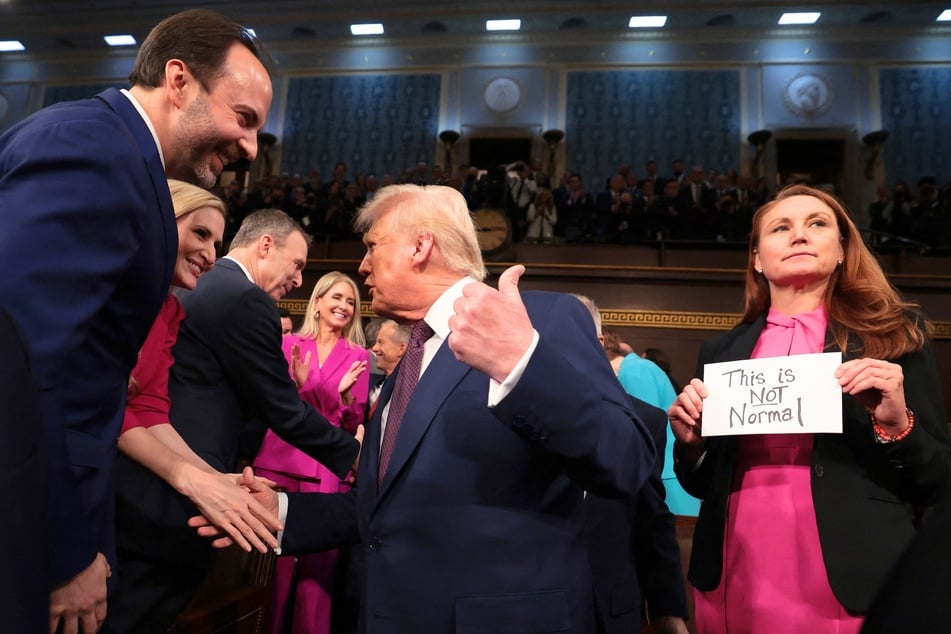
x: 796, y: 531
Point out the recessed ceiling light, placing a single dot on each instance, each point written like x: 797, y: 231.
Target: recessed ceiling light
x: 800, y: 18
x: 120, y: 40
x: 366, y: 29
x: 503, y: 25
x: 647, y: 21
x: 945, y: 16
x: 7, y: 46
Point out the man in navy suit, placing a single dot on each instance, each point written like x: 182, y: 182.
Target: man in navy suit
x: 88, y: 241
x: 475, y: 525
x: 23, y: 461
x: 632, y: 543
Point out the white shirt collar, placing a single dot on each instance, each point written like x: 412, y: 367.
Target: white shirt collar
x: 148, y: 122
x: 240, y: 266
x: 439, y: 313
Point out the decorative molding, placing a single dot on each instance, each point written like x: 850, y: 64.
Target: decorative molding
x: 682, y: 320
x: 942, y: 330
x: 299, y: 306
x: 672, y: 319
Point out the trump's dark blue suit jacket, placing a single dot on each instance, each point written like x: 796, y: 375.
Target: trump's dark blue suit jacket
x: 87, y: 246
x: 477, y: 526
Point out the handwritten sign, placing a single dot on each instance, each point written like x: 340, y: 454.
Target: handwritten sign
x: 777, y: 395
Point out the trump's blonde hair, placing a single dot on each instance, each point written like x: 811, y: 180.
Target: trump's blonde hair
x: 434, y: 209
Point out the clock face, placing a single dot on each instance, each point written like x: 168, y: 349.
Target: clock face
x: 493, y: 229
x: 502, y: 94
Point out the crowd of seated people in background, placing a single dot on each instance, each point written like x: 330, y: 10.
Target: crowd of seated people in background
x: 689, y: 203
x: 898, y: 215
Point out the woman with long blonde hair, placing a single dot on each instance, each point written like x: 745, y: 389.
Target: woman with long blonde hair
x: 328, y: 362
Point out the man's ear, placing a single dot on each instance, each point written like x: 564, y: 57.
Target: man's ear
x: 265, y: 245
x: 177, y: 80
x: 425, y: 243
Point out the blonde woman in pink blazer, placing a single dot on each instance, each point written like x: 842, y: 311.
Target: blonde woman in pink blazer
x: 328, y: 361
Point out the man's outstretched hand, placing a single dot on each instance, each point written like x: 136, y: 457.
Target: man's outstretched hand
x: 262, y: 493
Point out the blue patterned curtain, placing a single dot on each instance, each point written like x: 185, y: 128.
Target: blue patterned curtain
x: 916, y: 107
x: 618, y: 117
x: 374, y: 123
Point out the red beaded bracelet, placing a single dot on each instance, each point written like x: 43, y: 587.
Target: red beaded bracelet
x: 883, y: 436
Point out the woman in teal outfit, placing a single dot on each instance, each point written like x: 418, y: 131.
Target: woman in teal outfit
x: 645, y: 380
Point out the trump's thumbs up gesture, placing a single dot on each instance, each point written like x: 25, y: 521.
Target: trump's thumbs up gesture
x: 491, y: 330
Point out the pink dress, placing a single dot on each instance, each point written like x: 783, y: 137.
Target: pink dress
x: 774, y: 578
x: 296, y: 471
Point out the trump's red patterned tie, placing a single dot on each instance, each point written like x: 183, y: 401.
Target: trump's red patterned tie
x: 406, y: 379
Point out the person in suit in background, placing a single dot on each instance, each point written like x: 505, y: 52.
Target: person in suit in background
x: 469, y: 496
x: 23, y: 460
x: 329, y: 365
x: 914, y: 595
x: 287, y: 323
x: 643, y: 378
x: 632, y: 542
x: 797, y: 531
x: 390, y: 344
x: 228, y: 373
x: 70, y: 175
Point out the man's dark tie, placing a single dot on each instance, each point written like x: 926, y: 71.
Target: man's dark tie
x: 375, y: 397
x: 406, y: 380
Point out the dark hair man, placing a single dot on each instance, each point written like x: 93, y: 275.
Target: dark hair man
x: 87, y: 246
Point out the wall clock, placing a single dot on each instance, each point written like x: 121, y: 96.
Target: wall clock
x: 502, y: 94
x: 493, y: 229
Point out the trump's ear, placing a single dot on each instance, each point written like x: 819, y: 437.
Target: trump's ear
x: 425, y: 246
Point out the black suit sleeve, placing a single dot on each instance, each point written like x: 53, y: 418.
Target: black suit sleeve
x: 257, y: 370
x: 319, y: 521
x: 654, y: 534
x: 914, y: 597
x: 922, y: 461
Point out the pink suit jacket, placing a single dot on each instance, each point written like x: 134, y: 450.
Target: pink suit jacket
x: 320, y: 390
